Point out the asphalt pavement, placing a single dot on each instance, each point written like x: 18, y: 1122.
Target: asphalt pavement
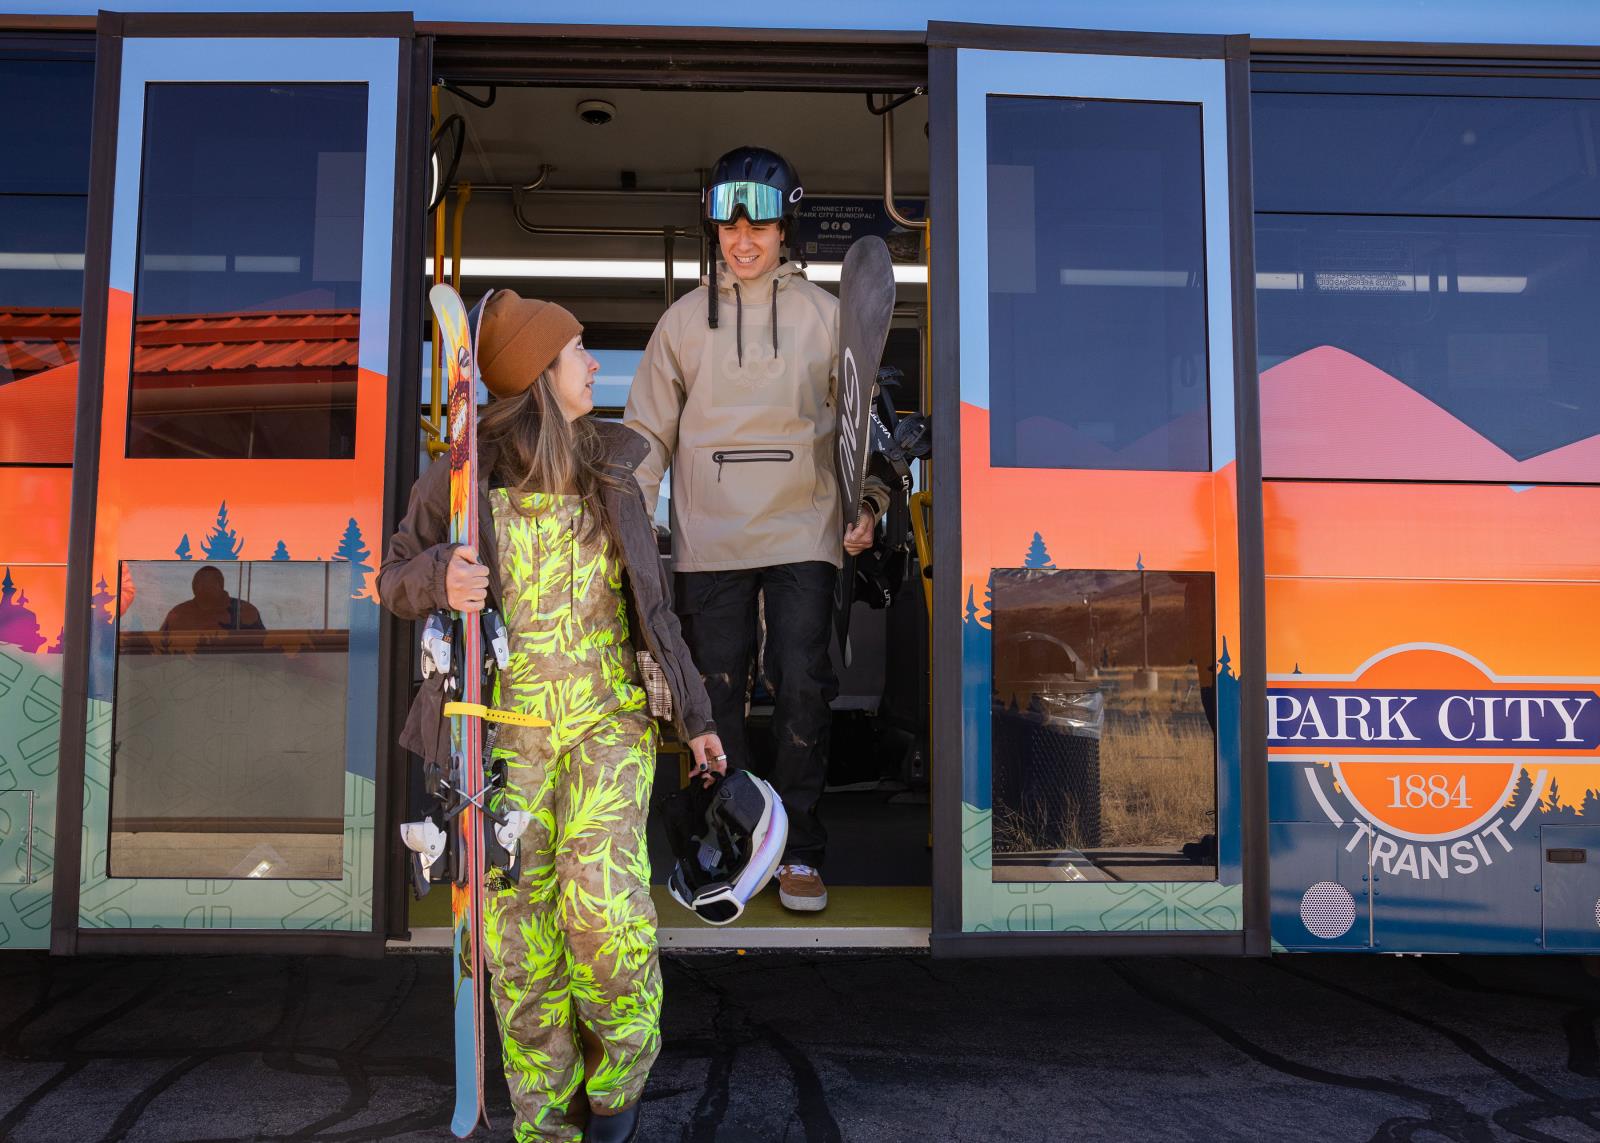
x: 823, y: 1048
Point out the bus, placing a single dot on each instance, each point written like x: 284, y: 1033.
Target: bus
x: 1246, y: 599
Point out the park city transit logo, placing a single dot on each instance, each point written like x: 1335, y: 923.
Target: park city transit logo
x: 1421, y: 748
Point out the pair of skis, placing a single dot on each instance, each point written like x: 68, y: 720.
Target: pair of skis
x: 465, y: 837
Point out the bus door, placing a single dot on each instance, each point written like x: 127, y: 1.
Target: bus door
x: 221, y: 743
x: 1097, y: 545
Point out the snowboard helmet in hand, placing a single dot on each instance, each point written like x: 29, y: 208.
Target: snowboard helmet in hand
x: 727, y: 838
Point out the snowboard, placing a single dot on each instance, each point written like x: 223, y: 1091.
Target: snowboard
x: 479, y: 835
x: 866, y: 303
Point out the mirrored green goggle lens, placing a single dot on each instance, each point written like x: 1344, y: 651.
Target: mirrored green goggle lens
x: 761, y: 202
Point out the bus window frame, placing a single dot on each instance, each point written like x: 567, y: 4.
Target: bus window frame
x: 945, y: 42
x: 67, y: 935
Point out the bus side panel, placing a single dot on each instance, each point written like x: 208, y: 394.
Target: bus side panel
x: 1433, y: 660
x: 33, y: 553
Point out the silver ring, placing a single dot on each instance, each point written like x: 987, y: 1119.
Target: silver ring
x: 719, y: 757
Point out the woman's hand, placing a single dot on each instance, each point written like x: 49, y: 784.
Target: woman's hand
x: 466, y: 581
x: 709, y: 758
x: 859, y: 538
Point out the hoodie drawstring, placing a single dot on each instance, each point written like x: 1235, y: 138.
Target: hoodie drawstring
x: 738, y: 301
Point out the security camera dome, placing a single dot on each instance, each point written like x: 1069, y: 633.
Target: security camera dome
x: 596, y: 112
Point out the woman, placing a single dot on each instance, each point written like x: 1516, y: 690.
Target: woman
x: 569, y: 558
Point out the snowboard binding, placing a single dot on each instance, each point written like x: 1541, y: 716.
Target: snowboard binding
x: 434, y: 846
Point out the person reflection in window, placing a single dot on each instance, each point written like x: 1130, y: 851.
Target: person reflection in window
x: 209, y: 616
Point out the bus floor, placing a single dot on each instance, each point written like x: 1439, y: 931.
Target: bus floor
x: 878, y: 871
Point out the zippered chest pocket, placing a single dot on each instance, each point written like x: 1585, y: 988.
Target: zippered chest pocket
x: 723, y: 456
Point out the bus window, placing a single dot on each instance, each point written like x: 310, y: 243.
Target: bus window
x: 43, y: 208
x: 1104, y: 724
x: 1097, y: 278
x: 1427, y: 271
x: 250, y: 232
x: 208, y: 778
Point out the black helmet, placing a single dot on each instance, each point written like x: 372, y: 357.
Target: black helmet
x: 727, y: 838
x: 754, y: 180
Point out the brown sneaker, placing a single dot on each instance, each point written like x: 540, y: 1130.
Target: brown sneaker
x: 800, y: 888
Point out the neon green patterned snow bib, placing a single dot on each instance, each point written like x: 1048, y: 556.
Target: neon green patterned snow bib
x: 573, y: 945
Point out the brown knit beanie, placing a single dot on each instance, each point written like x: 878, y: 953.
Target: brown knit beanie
x: 520, y: 338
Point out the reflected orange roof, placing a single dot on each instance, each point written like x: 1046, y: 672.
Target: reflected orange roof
x: 33, y: 340
x: 36, y: 339
x: 289, y: 339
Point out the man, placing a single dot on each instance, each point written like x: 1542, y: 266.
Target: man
x: 745, y: 413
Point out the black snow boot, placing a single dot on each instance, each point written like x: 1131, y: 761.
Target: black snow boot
x: 623, y: 1127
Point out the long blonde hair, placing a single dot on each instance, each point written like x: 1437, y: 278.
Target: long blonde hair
x: 539, y: 450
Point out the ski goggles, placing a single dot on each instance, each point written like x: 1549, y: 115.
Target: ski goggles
x: 760, y: 202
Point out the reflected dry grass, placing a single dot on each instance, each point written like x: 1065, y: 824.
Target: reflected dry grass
x: 1157, y: 784
x: 1157, y: 773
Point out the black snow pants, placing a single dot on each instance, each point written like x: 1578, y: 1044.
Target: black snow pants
x: 718, y: 611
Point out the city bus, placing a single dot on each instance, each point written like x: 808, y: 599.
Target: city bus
x: 1246, y: 598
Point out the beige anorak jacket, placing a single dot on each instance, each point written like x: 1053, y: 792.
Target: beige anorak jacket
x: 745, y: 414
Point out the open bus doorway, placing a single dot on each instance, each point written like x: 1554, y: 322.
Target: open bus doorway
x: 590, y: 197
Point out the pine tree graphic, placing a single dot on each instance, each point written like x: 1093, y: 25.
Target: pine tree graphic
x: 19, y: 626
x: 1037, y: 556
x: 1523, y: 790
x: 182, y: 550
x: 281, y: 552
x: 223, y: 543
x: 351, y: 550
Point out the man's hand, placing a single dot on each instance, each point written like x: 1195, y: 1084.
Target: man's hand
x: 859, y: 538
x: 466, y: 581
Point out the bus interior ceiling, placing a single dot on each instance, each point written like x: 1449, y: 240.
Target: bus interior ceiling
x: 613, y: 173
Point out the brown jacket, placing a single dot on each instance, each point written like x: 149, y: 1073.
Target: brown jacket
x: 411, y: 583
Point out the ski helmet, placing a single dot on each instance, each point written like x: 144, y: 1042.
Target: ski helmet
x: 755, y: 181
x: 728, y: 838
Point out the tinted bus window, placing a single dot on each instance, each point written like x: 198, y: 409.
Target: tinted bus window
x: 248, y: 293
x: 43, y: 209
x: 1492, y: 321
x: 1426, y: 155
x: 1097, y: 277
x: 208, y: 778
x: 1427, y: 271
x: 1104, y: 711
x: 44, y: 132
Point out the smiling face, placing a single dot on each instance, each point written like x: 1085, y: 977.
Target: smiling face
x: 750, y: 249
x: 572, y: 379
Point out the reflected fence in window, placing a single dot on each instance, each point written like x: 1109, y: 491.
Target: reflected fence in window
x: 1104, y: 740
